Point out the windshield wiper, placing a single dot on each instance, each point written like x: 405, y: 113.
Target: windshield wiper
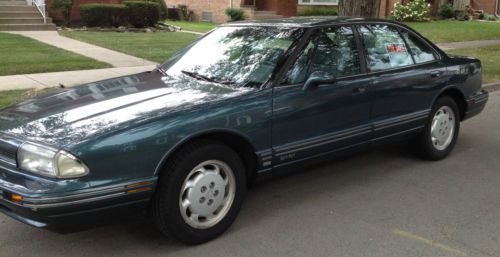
x: 206, y: 78
x: 161, y: 70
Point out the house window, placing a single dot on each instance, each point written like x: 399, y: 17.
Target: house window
x: 319, y: 2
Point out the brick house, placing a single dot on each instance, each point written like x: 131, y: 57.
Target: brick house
x: 213, y: 10
x: 488, y: 6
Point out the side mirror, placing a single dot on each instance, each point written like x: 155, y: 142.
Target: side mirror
x: 317, y: 78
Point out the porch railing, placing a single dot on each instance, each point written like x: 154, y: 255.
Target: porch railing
x: 40, y: 5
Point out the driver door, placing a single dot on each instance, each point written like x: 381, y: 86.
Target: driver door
x: 330, y: 116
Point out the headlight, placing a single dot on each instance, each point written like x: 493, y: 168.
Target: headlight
x: 49, y: 162
x: 68, y: 166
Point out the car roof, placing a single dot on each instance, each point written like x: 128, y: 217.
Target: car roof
x: 306, y: 21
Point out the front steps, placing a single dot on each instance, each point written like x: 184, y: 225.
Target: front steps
x: 16, y: 15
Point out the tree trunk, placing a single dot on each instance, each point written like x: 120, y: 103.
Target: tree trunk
x: 359, y: 8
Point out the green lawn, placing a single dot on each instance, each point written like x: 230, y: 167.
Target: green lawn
x: 193, y: 26
x: 156, y: 47
x: 22, y: 55
x: 9, y: 97
x: 490, y: 59
x: 455, y: 31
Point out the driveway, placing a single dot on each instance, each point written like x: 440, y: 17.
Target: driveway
x: 382, y: 203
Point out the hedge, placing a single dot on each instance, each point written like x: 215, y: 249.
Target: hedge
x: 318, y: 11
x: 163, y: 7
x: 104, y: 14
x: 143, y: 14
x: 235, y: 14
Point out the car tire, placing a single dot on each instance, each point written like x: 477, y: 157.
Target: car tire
x: 440, y: 134
x: 190, y: 179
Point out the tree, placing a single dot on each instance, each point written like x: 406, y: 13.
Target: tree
x: 359, y: 8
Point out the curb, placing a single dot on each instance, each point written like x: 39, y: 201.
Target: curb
x: 491, y: 87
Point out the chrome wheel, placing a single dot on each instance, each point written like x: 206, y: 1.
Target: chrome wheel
x: 443, y: 128
x: 207, y: 194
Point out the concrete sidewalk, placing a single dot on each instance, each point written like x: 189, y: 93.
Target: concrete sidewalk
x: 468, y: 44
x: 114, y: 58
x: 67, y: 78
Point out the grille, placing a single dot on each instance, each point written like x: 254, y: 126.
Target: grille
x: 7, y: 152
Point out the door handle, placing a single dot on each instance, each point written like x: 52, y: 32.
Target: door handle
x: 436, y: 74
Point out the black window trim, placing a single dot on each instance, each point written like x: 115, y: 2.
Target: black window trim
x: 309, y: 31
x: 313, y: 31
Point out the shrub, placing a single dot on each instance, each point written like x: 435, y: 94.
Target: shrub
x: 143, y: 14
x: 104, y: 14
x: 461, y: 15
x: 318, y: 11
x: 235, y: 14
x: 491, y: 17
x: 482, y: 16
x: 391, y: 17
x: 64, y: 6
x: 416, y: 10
x: 446, y: 11
x: 163, y: 7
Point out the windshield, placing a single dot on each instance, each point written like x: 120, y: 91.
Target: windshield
x: 244, y: 56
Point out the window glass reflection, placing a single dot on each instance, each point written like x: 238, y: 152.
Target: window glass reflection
x: 331, y: 51
x: 385, y: 49
x: 234, y: 55
x: 421, y: 52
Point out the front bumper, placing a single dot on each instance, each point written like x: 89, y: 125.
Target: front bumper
x: 72, y: 209
x: 476, y: 103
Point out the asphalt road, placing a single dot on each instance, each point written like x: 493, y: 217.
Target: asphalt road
x: 381, y: 203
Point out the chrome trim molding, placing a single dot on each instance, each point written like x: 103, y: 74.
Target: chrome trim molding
x: 400, y: 120
x: 92, y: 195
x: 321, y: 140
x: 86, y: 200
x: 356, y: 131
x: 398, y: 133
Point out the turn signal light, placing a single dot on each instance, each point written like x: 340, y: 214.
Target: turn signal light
x: 16, y: 198
x: 145, y: 183
x: 138, y: 190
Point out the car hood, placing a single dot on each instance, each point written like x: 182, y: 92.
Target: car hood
x: 77, y: 113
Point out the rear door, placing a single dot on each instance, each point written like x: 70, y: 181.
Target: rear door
x: 405, y: 74
x: 331, y: 116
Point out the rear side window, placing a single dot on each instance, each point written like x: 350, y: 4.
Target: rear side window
x: 421, y: 52
x: 384, y: 47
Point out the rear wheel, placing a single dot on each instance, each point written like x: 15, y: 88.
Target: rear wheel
x: 199, y: 192
x: 441, y: 132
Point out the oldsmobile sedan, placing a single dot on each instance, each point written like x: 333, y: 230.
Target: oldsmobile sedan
x: 182, y: 142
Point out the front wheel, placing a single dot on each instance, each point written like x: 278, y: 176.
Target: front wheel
x: 441, y: 131
x: 199, y: 192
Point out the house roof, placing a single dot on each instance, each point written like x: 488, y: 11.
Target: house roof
x: 302, y: 21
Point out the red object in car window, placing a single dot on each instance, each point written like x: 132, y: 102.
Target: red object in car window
x: 395, y: 48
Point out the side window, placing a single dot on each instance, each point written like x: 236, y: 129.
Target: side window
x: 421, y: 52
x: 385, y: 49
x: 333, y: 51
x: 299, y: 71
